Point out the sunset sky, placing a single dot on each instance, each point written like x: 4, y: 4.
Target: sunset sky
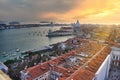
x: 87, y: 11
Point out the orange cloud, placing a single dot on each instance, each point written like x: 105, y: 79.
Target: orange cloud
x: 95, y: 11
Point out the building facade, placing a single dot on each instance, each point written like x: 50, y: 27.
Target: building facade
x: 76, y: 28
x: 110, y: 68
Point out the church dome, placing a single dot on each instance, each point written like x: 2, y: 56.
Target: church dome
x: 77, y: 24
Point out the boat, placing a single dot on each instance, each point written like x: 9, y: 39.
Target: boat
x: 17, y: 50
x: 61, y: 32
x: 14, y: 54
x: 5, y: 55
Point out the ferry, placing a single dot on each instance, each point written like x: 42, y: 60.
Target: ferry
x: 64, y: 31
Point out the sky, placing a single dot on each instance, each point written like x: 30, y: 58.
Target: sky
x: 86, y: 11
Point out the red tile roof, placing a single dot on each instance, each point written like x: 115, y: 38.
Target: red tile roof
x: 37, y: 70
x: 87, y: 73
x: 82, y: 74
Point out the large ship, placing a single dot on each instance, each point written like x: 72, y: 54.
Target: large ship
x: 64, y: 31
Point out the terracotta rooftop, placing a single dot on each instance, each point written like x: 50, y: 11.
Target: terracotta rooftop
x: 39, y: 69
x: 88, y: 72
x: 83, y: 74
x: 73, y: 73
x: 114, y: 44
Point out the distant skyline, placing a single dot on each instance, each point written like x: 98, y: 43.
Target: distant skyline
x: 87, y: 11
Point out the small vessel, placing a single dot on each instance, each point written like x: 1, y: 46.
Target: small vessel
x: 17, y: 50
x: 5, y: 55
x: 14, y: 54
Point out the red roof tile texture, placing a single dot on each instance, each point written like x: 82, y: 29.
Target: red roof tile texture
x: 82, y: 74
x: 87, y: 73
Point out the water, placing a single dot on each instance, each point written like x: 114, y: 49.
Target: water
x: 25, y: 39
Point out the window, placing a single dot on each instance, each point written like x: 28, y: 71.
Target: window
x: 116, y: 57
x: 113, y: 57
x: 45, y: 78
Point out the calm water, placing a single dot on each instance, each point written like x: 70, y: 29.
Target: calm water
x: 25, y: 39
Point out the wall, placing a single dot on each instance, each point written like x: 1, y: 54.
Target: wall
x: 103, y: 71
x: 44, y: 76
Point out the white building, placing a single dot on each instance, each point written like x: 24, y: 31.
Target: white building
x: 76, y: 28
x: 3, y: 67
x: 40, y: 72
x: 110, y: 68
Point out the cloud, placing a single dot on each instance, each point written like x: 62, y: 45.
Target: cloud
x: 27, y: 10
x: 97, y: 11
x: 90, y: 11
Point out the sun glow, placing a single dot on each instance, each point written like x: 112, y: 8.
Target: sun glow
x: 90, y: 10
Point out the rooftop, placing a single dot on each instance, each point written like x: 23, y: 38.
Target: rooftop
x: 84, y: 69
x: 88, y: 70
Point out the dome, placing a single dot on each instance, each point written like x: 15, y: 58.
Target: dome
x: 77, y: 24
